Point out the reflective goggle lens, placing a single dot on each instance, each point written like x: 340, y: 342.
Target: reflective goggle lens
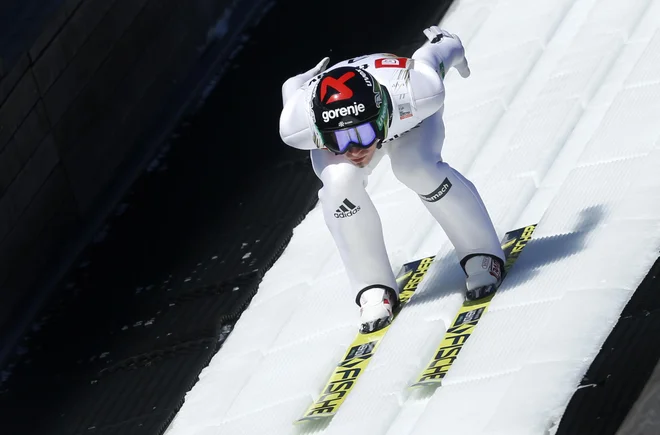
x: 363, y: 135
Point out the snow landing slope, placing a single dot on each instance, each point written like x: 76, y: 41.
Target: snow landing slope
x: 558, y: 124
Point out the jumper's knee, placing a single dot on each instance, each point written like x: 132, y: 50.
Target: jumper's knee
x: 421, y: 176
x: 341, y: 181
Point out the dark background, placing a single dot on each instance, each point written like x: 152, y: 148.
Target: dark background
x: 139, y: 163
x: 89, y: 89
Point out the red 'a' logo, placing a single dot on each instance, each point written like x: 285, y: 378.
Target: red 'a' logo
x: 343, y: 91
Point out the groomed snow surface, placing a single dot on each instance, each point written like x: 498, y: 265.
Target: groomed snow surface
x: 559, y: 124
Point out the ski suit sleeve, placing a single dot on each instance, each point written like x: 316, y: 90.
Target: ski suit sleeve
x: 294, y: 124
x: 432, y: 60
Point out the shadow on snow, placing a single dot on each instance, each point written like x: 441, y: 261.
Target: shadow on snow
x: 537, y: 254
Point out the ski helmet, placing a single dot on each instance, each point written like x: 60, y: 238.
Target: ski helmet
x: 349, y: 108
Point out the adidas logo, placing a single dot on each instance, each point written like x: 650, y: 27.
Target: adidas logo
x: 346, y: 209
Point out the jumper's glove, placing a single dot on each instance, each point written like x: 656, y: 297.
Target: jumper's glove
x: 296, y: 82
x: 320, y: 67
x: 450, y: 49
x: 435, y: 34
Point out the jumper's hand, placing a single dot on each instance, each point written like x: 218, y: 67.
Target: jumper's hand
x: 436, y: 35
x: 319, y: 68
x: 296, y: 82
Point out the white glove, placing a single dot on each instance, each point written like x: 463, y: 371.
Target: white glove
x: 451, y: 49
x: 294, y: 83
x: 319, y: 68
x: 435, y: 34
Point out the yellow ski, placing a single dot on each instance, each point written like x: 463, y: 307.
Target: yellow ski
x: 362, y: 349
x: 469, y: 314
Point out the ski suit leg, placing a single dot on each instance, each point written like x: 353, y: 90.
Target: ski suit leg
x: 452, y: 199
x: 353, y: 219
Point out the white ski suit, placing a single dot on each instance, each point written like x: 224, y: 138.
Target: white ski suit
x: 414, y: 145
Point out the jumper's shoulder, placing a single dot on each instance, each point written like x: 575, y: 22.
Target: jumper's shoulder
x: 410, y: 81
x: 427, y: 89
x: 295, y: 130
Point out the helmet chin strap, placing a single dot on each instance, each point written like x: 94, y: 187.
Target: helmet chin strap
x: 390, y: 107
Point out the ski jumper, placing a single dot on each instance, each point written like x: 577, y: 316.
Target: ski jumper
x: 414, y: 144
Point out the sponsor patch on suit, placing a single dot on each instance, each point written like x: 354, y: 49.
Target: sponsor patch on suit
x: 438, y: 193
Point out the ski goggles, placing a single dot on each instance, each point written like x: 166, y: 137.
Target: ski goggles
x: 363, y: 136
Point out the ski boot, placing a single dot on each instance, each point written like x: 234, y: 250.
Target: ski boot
x: 377, y: 306
x: 484, y: 275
